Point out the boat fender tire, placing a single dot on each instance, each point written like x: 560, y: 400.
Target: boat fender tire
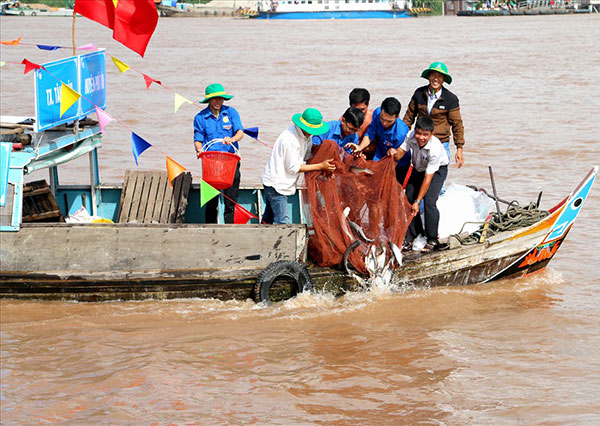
x: 281, y: 268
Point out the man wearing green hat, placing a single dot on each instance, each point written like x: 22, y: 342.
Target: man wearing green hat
x: 287, y: 161
x: 218, y: 121
x: 441, y: 105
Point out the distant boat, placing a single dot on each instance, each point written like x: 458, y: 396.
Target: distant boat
x: 332, y: 9
x: 15, y: 8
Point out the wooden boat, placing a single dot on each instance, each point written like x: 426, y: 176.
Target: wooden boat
x: 109, y: 261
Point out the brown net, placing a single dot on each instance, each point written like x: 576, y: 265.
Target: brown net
x: 376, y: 203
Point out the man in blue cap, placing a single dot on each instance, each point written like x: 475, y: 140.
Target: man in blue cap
x: 287, y: 161
x: 218, y: 121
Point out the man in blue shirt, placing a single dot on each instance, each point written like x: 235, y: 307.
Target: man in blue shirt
x: 343, y: 131
x: 386, y: 131
x: 218, y: 121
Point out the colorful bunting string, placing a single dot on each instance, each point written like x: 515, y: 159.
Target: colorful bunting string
x: 207, y: 193
x: 139, y: 145
x: 180, y: 100
x: 103, y: 119
x: 241, y: 216
x: 48, y: 47
x: 89, y: 46
x: 30, y: 66
x: 68, y: 97
x: 149, y: 80
x: 174, y: 169
x: 11, y: 42
x: 122, y: 66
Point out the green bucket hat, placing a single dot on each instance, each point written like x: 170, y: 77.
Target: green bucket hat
x: 311, y: 121
x: 439, y: 67
x: 215, y: 90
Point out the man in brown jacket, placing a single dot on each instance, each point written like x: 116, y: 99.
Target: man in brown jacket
x: 441, y: 105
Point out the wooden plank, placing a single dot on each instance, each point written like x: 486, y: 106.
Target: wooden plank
x: 42, y: 216
x: 128, y: 202
x: 123, y: 191
x: 160, y: 195
x: 29, y: 191
x: 137, y: 194
x: 175, y: 196
x: 155, y: 176
x: 183, y: 199
x: 141, y: 213
x: 164, y: 211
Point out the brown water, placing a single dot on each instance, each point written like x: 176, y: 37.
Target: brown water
x: 515, y: 352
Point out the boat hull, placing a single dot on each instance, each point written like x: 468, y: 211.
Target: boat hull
x: 352, y: 14
x: 94, y: 262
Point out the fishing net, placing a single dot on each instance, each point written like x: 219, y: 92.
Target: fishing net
x: 360, y: 195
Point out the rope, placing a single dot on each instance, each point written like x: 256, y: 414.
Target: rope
x: 515, y: 217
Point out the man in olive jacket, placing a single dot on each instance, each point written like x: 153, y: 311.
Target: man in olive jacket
x: 441, y: 105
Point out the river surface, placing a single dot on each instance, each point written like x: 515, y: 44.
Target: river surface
x: 520, y: 351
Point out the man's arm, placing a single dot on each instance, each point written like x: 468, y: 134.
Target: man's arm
x: 458, y: 134
x: 396, y: 153
x: 422, y: 191
x: 235, y: 138
x: 325, y: 165
x: 198, y: 134
x: 411, y: 113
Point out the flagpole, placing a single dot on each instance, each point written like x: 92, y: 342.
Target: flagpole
x: 74, y: 48
x: 76, y: 125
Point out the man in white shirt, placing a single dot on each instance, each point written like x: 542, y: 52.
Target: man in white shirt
x: 292, y: 148
x: 430, y: 168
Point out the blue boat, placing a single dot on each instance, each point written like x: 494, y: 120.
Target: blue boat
x: 332, y: 9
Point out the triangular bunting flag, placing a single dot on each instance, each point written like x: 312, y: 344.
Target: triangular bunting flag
x: 89, y: 46
x: 11, y: 42
x: 122, y: 66
x: 30, y: 66
x: 180, y: 100
x: 104, y: 119
x: 138, y: 145
x: 68, y: 97
x: 174, y: 169
x: 207, y: 193
x: 241, y: 216
x: 115, y: 2
x: 252, y: 132
x: 47, y: 47
x: 149, y: 80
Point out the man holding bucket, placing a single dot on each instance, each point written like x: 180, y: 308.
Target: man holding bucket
x: 218, y: 121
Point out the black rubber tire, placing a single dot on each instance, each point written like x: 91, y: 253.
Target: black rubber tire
x: 33, y: 14
x: 22, y: 13
x: 282, y: 269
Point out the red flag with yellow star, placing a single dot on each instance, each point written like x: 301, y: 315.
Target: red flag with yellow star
x: 132, y: 21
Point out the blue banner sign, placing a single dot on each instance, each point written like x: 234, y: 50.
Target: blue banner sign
x: 86, y: 74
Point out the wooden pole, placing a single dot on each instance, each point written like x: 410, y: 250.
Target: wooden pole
x: 76, y: 125
x: 74, y: 48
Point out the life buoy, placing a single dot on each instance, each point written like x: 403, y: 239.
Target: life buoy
x: 298, y: 281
